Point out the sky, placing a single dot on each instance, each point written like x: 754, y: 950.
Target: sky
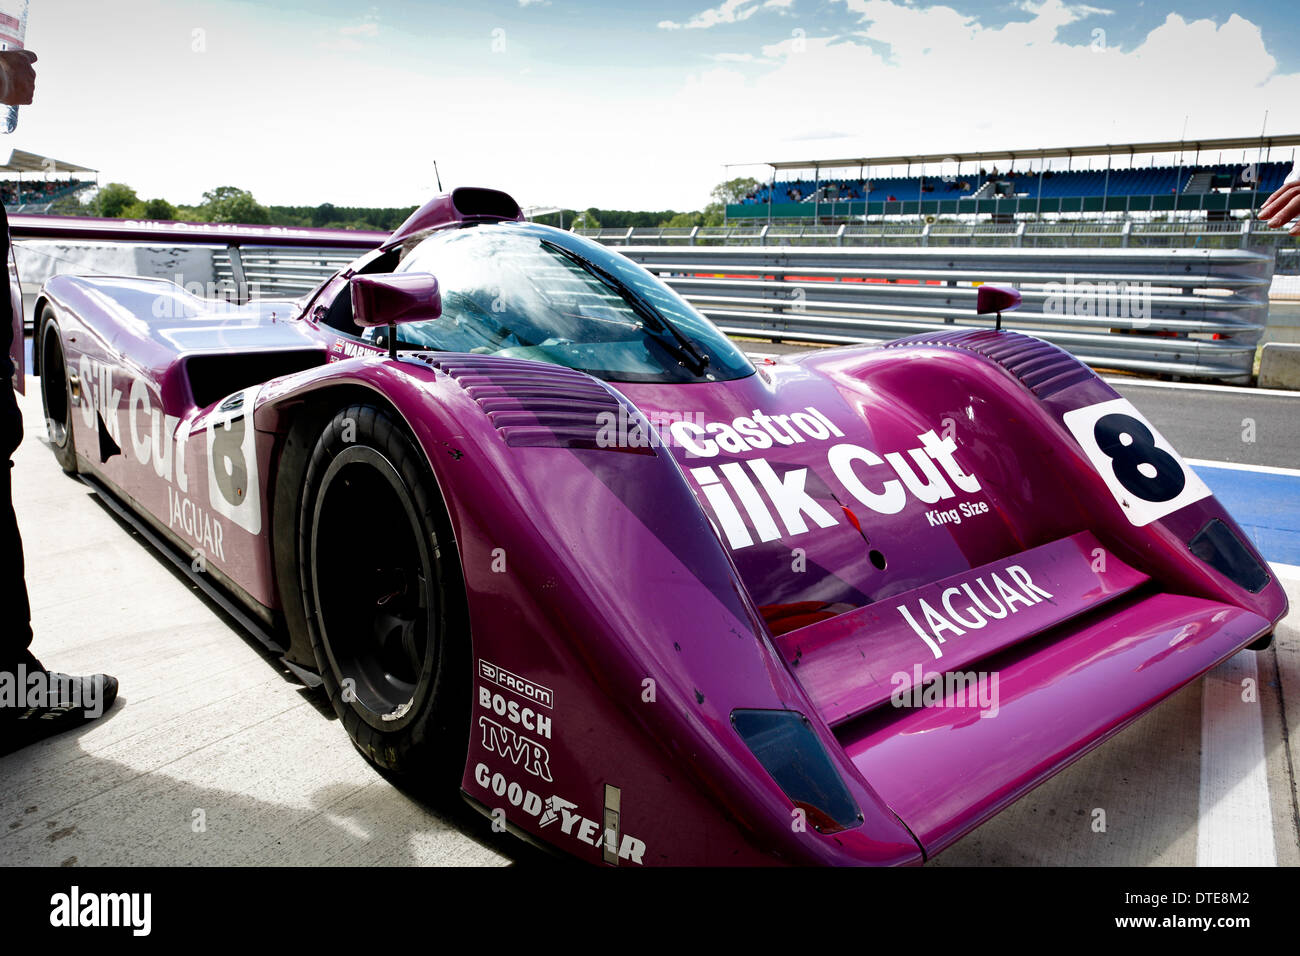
x: 622, y: 105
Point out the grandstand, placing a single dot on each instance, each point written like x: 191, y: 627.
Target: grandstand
x: 1044, y: 183
x: 31, y: 183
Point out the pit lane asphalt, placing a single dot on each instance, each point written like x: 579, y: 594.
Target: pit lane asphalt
x: 213, y: 757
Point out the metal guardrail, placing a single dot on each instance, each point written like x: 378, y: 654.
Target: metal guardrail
x: 1188, y: 312
x: 248, y: 261
x: 1229, y: 234
x: 265, y: 271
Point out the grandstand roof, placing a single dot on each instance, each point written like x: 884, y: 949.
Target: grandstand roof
x: 1110, y: 149
x: 21, y: 161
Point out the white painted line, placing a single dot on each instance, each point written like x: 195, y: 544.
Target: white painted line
x: 1199, y: 387
x: 1237, y: 466
x: 1288, y: 571
x: 1236, y: 822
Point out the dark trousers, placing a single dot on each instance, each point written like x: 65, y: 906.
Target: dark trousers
x: 15, y: 612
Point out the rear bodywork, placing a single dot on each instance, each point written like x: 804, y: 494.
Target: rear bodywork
x: 921, y: 551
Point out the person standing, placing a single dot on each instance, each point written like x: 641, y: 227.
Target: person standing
x: 34, y: 702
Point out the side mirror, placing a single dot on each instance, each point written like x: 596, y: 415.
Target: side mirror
x: 993, y: 298
x: 392, y: 299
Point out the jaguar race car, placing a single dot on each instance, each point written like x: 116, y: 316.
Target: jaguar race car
x: 543, y: 532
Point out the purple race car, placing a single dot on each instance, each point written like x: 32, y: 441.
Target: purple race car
x: 542, y: 531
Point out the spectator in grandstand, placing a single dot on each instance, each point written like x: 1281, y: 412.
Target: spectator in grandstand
x: 34, y: 703
x: 1284, y: 205
x: 14, y: 192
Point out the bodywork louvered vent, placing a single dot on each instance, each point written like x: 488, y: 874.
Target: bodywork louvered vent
x: 1041, y: 366
x: 537, y: 405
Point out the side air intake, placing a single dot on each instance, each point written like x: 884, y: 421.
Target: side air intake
x: 1042, y: 367
x: 474, y: 202
x: 466, y: 204
x: 537, y: 405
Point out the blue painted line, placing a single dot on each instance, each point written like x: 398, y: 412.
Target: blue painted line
x: 1267, y: 507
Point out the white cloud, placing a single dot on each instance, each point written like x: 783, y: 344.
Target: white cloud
x: 934, y: 79
x: 534, y: 3
x: 367, y: 29
x: 350, y: 37
x: 730, y: 11
x: 911, y: 79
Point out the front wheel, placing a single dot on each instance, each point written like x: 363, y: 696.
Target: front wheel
x: 384, y: 597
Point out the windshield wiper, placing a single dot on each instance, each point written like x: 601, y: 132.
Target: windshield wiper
x: 686, y: 350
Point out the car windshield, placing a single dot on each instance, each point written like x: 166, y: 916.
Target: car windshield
x: 528, y: 291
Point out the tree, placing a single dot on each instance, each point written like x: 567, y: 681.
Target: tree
x: 149, y: 209
x: 683, y: 220
x: 113, y: 200
x: 155, y: 209
x: 734, y: 190
x: 232, y: 204
x: 323, y: 214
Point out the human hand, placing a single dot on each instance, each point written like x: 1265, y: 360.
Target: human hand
x: 1284, y: 205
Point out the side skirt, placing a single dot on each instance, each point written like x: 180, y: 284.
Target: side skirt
x: 202, y: 581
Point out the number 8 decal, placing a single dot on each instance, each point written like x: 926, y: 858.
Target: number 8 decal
x: 232, y: 462
x: 1141, y: 469
x: 1166, y: 480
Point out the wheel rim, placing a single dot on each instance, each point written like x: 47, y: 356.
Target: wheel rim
x: 371, y: 571
x: 54, y: 387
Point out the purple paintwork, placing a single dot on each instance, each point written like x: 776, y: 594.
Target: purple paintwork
x: 728, y: 573
x: 846, y: 662
x: 394, y: 299
x: 992, y: 298
x: 944, y: 770
x: 459, y: 207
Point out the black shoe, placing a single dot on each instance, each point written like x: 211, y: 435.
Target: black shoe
x: 58, y: 703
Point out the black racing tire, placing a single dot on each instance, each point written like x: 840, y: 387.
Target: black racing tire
x: 56, y: 395
x: 1261, y: 644
x: 384, y: 597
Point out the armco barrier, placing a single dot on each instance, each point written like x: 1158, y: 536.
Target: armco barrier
x: 1191, y: 312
